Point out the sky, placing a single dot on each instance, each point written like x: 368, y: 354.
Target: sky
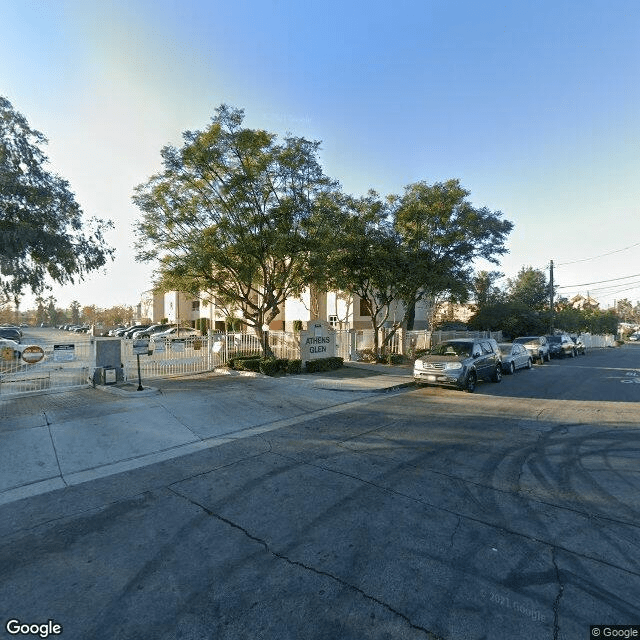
x: 533, y: 106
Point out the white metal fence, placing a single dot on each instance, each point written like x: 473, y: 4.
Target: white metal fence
x: 65, y: 365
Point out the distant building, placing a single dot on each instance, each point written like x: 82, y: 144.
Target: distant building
x: 342, y: 311
x: 582, y: 303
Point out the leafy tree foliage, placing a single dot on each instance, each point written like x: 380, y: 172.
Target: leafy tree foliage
x: 367, y: 259
x: 400, y: 250
x: 485, y: 291
x: 530, y: 287
x: 42, y: 233
x: 237, y: 215
x: 442, y: 234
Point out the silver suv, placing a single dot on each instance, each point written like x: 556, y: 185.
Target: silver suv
x: 460, y: 363
x: 537, y: 346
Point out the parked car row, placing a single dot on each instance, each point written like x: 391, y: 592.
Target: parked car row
x: 460, y: 363
x: 153, y: 331
x: 75, y: 328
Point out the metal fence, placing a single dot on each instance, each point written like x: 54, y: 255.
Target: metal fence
x: 65, y: 365
x: 179, y: 356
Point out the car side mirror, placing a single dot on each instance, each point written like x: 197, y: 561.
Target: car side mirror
x: 476, y: 353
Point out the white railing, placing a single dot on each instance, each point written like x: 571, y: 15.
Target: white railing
x: 169, y: 357
x: 65, y: 365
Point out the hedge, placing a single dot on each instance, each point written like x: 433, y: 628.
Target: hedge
x: 273, y: 366
x: 324, y: 364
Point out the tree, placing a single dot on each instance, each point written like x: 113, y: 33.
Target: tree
x: 443, y: 234
x: 74, y: 311
x: 42, y: 235
x: 236, y: 215
x: 530, y: 287
x: 367, y: 259
x: 485, y: 291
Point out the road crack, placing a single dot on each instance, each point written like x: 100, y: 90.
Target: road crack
x: 556, y: 603
x: 296, y: 563
x: 55, y: 451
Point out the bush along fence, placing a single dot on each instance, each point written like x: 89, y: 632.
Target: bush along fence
x: 282, y: 366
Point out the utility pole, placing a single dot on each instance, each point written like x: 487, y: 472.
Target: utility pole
x: 551, y: 295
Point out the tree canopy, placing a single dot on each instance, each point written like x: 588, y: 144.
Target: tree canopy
x: 237, y: 215
x: 43, y: 236
x: 396, y: 251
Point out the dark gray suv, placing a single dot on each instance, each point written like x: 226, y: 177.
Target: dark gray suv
x: 460, y: 363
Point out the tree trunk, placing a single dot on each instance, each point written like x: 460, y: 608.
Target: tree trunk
x: 411, y: 316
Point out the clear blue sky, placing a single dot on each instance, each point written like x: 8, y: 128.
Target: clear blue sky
x: 534, y: 106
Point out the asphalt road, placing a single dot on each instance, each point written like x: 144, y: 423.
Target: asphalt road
x: 513, y: 512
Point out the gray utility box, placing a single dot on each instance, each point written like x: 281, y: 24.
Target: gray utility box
x: 108, y: 367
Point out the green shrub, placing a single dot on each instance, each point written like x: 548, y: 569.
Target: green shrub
x: 324, y: 364
x: 395, y: 358
x: 297, y: 325
x: 231, y: 362
x: 368, y: 355
x: 294, y: 366
x: 269, y: 366
x: 247, y: 364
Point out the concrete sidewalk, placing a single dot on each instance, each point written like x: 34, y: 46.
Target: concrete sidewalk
x: 54, y: 440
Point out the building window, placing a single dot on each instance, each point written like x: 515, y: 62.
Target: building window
x: 365, y: 307
x: 195, y: 305
x: 333, y: 321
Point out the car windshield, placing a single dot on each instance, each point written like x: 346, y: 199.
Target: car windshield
x: 505, y: 349
x: 554, y: 339
x: 525, y: 340
x: 452, y: 349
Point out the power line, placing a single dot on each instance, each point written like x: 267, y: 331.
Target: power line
x: 561, y: 264
x: 586, y: 284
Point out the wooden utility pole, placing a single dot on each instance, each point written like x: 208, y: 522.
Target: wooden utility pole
x: 551, y: 296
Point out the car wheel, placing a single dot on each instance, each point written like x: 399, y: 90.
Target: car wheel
x: 548, y: 357
x: 529, y: 364
x: 497, y: 375
x: 512, y: 368
x: 470, y: 384
x: 574, y: 353
x: 541, y: 358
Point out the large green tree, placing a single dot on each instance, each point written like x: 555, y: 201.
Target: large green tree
x: 367, y: 260
x: 530, y: 287
x: 43, y: 237
x: 443, y: 234
x: 237, y: 215
x: 396, y: 251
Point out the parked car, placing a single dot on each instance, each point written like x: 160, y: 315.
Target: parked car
x: 536, y: 346
x: 460, y: 363
x: 561, y: 346
x: 11, y: 333
x: 176, y: 333
x: 147, y: 333
x: 128, y: 333
x: 514, y: 356
x: 581, y: 347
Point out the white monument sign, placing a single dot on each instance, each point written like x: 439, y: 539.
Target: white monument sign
x: 318, y: 341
